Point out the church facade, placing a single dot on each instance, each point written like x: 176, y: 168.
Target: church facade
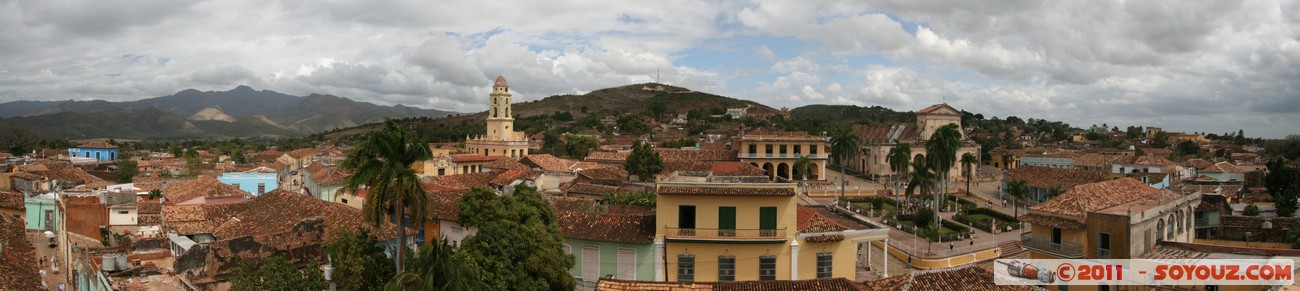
x: 877, y: 139
x: 500, y: 139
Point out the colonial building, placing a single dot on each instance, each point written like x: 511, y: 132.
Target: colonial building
x: 500, y: 139
x: 1115, y: 219
x: 752, y: 231
x: 100, y: 151
x: 776, y: 152
x: 877, y: 139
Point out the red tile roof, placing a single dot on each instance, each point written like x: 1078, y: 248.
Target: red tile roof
x: 474, y: 158
x: 1222, y: 167
x: 193, y: 219
x: 1046, y: 178
x: 12, y: 199
x: 937, y: 107
x: 969, y: 277
x: 18, y: 269
x: 506, y: 164
x: 445, y: 205
x: 551, y: 163
x: 735, y: 169
x: 97, y: 145
x: 1096, y: 197
x: 825, y: 284
x: 203, y: 186
x: 329, y: 176
x: 729, y: 190
x: 606, y: 173
x: 586, y: 220
x: 508, y: 177
x: 461, y: 181
x: 590, y: 189
x: 277, y: 211
x: 302, y: 153
x: 811, y: 221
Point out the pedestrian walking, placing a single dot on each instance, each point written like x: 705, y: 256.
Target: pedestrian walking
x: 951, y: 246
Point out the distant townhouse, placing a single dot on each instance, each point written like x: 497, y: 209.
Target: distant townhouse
x: 323, y: 182
x: 1203, y: 171
x: 99, y: 151
x: 776, y: 152
x: 256, y: 181
x: 1115, y: 219
x: 1049, y: 160
x: 1042, y: 180
x: 12, y: 204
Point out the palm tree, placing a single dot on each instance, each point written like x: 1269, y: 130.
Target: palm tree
x: 968, y: 161
x: 1018, y: 189
x: 941, y: 151
x: 381, y: 163
x: 844, y: 146
x: 921, y: 178
x: 898, y: 162
x: 434, y: 267
x: 802, y: 167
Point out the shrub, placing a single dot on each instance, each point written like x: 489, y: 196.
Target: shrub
x: 1251, y: 210
x: 924, y: 217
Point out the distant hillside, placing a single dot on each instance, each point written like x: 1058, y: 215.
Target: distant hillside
x: 240, y: 112
x: 852, y: 114
x: 634, y: 98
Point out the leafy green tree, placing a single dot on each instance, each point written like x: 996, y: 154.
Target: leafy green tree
x: 435, y: 267
x: 275, y: 273
x: 359, y: 261
x: 631, y: 124
x: 518, y: 245
x: 1294, y: 237
x: 1283, y: 183
x: 803, y: 167
x: 844, y: 147
x: 154, y: 194
x: 644, y: 199
x: 578, y: 147
x: 657, y: 109
x: 922, y: 217
x: 898, y: 157
x: 1188, y: 147
x: 193, y: 163
x: 644, y: 162
x: 1160, y: 140
x: 381, y: 162
x: 1019, y: 190
x: 126, y: 169
x: 941, y: 153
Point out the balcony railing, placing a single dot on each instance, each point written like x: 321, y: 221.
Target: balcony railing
x: 714, y: 234
x: 1042, y: 244
x: 779, y: 156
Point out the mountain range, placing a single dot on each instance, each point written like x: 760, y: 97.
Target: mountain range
x: 240, y: 112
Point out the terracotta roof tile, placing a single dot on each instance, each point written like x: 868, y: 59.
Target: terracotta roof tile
x: 584, y: 219
x: 1095, y: 160
x: 590, y: 189
x: 1051, y: 221
x: 729, y: 190
x: 445, y: 205
x: 18, y: 269
x: 825, y: 284
x: 1222, y: 167
x: 811, y: 221
x: 886, y: 132
x: 735, y: 169
x: 969, y: 277
x: 553, y: 164
x: 507, y: 177
x: 12, y: 199
x: 329, y: 176
x: 302, y: 153
x: 192, y: 219
x: 277, y: 211
x: 1096, y: 197
x: 605, y: 173
x: 1046, y: 178
x: 610, y: 157
x: 462, y: 181
x: 97, y: 145
x: 148, y: 207
x: 203, y: 186
x: 475, y: 158
x: 506, y: 164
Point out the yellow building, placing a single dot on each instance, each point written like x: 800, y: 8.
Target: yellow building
x: 776, y: 152
x: 752, y: 231
x: 500, y: 139
x: 1114, y: 219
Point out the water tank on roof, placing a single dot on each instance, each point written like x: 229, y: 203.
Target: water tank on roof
x: 121, y: 262
x: 109, y: 263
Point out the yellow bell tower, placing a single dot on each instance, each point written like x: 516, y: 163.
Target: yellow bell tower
x: 499, y: 120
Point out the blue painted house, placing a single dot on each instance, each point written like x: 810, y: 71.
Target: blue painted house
x: 254, y: 182
x: 98, y: 150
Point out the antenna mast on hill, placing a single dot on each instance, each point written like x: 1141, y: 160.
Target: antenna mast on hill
x: 657, y: 76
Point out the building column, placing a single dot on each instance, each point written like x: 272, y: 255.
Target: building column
x: 869, y: 247
x: 660, y: 260
x: 794, y: 260
x: 886, y: 255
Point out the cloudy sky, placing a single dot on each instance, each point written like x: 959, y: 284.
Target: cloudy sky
x: 1214, y: 66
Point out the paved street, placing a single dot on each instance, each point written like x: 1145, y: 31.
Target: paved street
x: 53, y: 275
